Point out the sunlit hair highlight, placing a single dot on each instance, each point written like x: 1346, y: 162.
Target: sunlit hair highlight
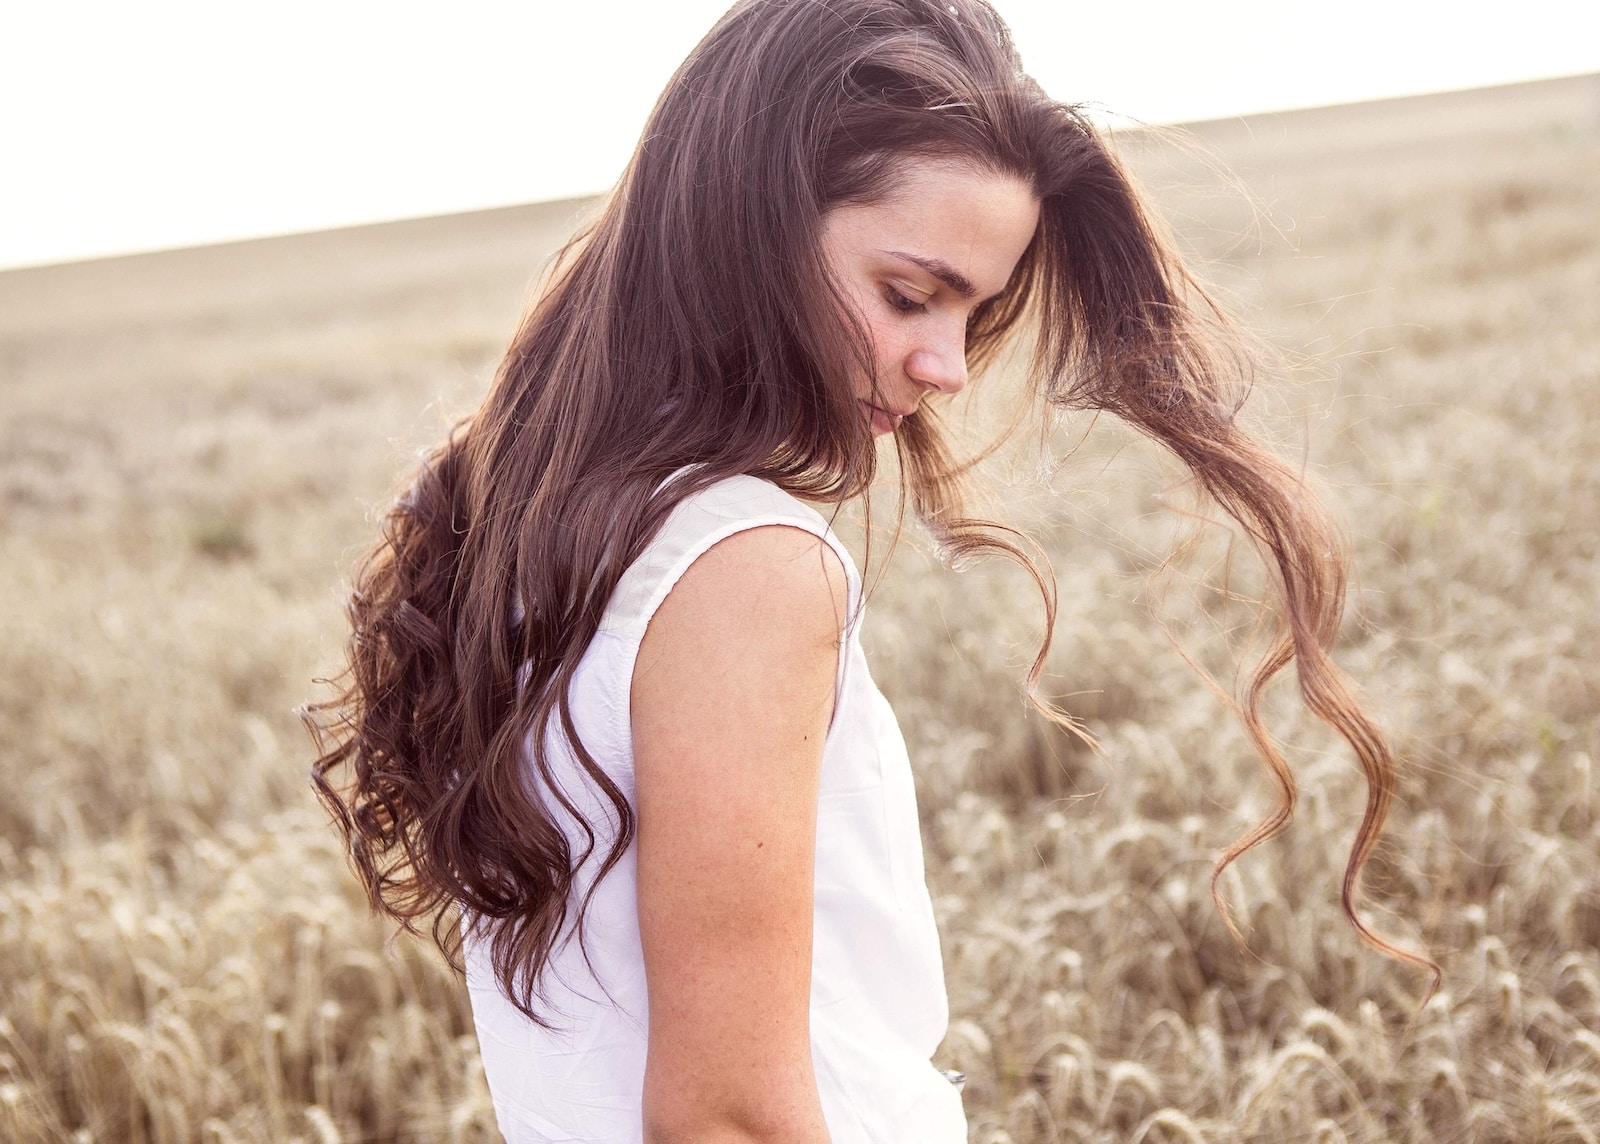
x: 692, y: 322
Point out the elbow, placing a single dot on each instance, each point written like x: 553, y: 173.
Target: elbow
x: 774, y: 1118
x: 709, y: 1129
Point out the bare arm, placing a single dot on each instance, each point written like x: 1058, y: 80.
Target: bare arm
x: 731, y: 698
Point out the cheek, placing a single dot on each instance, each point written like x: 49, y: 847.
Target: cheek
x: 887, y: 346
x: 880, y: 336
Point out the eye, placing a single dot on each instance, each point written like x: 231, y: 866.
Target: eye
x: 900, y: 302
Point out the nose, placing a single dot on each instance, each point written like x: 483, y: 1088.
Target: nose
x: 940, y: 363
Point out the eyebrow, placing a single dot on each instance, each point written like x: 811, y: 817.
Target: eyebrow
x: 941, y: 270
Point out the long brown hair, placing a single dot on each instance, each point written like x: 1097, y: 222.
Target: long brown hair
x: 693, y: 322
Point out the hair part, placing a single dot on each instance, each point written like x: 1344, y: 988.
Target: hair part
x: 692, y: 323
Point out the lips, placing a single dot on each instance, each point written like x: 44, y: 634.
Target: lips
x: 885, y: 420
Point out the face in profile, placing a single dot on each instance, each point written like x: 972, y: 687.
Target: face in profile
x: 915, y: 264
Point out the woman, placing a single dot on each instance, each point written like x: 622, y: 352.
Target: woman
x: 607, y: 704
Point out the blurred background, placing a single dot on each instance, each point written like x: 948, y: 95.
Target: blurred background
x: 196, y: 444
x: 176, y: 122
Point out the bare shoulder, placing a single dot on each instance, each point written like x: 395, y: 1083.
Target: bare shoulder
x: 779, y: 557
x: 775, y: 585
x: 739, y: 664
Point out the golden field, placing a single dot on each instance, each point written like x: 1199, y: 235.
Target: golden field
x: 196, y: 443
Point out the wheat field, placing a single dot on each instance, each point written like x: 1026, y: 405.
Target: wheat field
x: 196, y: 444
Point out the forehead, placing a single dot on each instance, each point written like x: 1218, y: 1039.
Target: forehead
x: 974, y: 220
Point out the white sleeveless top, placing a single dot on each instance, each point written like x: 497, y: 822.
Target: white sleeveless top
x: 878, y: 1007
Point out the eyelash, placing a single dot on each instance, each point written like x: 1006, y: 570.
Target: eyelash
x: 900, y: 303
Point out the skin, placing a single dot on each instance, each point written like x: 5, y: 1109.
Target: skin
x: 733, y: 691
x: 915, y: 265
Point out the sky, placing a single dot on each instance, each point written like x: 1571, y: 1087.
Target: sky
x: 163, y: 123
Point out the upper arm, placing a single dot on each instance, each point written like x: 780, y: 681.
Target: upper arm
x: 732, y: 695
